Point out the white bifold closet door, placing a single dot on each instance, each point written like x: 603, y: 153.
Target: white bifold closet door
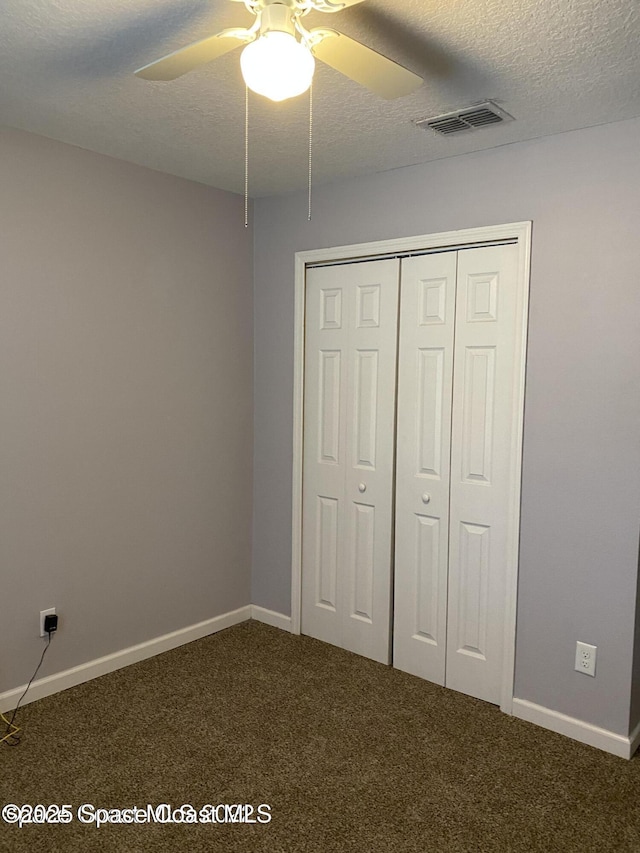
x: 451, y: 357
x: 456, y: 371
x: 349, y: 424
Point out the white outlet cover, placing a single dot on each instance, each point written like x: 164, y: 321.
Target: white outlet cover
x: 586, y: 658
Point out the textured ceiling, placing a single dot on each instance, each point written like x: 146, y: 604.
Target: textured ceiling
x: 66, y: 71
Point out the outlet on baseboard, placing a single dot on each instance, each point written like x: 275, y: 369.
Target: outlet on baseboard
x: 50, y: 612
x: 586, y: 658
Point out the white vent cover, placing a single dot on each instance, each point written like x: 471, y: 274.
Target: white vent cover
x: 468, y: 118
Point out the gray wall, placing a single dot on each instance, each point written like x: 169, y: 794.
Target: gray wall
x: 581, y: 482
x: 125, y: 403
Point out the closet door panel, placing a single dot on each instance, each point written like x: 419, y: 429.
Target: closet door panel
x: 325, y: 401
x: 482, y: 432
x: 425, y: 367
x: 350, y: 356
x: 370, y: 456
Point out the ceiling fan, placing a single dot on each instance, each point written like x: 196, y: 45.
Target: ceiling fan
x: 278, y: 57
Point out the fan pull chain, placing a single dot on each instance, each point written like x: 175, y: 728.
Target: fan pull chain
x: 310, y: 144
x: 246, y: 156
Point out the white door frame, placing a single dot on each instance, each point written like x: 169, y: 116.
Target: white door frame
x: 520, y: 231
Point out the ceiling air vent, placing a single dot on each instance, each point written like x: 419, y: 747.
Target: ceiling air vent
x: 469, y: 118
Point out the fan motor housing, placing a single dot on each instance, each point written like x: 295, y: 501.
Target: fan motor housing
x: 263, y: 5
x: 277, y: 18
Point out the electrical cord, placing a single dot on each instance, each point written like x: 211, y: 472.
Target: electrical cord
x: 10, y: 737
x: 10, y: 732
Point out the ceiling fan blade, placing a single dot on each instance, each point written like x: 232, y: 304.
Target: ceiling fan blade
x: 364, y: 65
x: 194, y: 55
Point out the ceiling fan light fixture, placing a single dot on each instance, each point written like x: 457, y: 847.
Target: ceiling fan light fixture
x: 277, y: 66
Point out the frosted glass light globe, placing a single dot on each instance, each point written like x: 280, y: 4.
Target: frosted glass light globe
x: 277, y: 66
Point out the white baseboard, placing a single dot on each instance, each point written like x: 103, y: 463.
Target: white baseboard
x: 270, y: 617
x: 634, y: 737
x: 577, y: 729
x: 101, y: 666
x: 522, y: 708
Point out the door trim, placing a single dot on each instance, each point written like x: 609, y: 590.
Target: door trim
x: 519, y: 231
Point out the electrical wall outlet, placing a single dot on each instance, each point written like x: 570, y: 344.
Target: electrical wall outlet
x: 586, y: 658
x: 50, y: 612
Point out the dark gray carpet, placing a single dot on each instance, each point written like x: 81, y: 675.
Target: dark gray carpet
x: 349, y: 754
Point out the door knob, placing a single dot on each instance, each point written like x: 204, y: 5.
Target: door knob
x: 362, y: 487
x: 426, y: 498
